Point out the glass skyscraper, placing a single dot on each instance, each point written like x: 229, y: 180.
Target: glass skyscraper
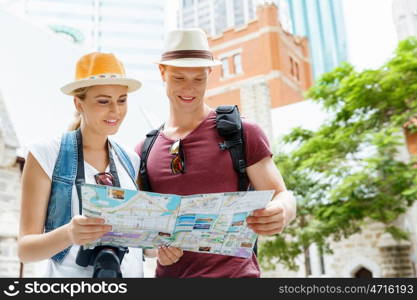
x: 322, y: 21
x: 405, y: 18
x: 214, y: 16
x: 132, y: 29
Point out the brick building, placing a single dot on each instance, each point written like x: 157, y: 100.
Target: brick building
x: 264, y: 67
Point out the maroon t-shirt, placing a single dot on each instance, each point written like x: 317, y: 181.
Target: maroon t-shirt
x: 208, y: 170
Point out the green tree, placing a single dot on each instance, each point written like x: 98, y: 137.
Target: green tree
x: 347, y: 172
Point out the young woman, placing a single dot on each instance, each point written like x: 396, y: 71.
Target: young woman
x: 51, y: 226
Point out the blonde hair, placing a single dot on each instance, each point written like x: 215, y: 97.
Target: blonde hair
x: 79, y: 93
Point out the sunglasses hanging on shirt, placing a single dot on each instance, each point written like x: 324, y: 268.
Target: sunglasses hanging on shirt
x: 178, y: 161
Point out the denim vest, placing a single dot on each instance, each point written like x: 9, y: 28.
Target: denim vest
x: 63, y: 178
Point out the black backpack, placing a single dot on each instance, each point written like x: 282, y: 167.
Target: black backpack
x: 229, y: 126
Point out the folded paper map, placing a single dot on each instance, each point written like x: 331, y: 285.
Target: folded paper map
x: 208, y: 223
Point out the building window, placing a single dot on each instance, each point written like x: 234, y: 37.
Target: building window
x: 297, y: 71
x: 187, y: 3
x: 237, y: 62
x: 225, y: 67
x: 294, y: 69
x: 363, y: 273
x: 220, y: 21
x: 239, y: 13
x: 252, y: 8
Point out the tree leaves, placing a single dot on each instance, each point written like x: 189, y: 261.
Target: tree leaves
x: 349, y: 172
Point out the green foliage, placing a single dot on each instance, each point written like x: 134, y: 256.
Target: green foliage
x: 347, y: 172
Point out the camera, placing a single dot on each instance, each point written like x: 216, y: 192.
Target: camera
x: 105, y: 259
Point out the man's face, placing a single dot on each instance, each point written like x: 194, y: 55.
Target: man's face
x: 185, y: 86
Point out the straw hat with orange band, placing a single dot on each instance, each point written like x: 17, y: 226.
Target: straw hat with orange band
x: 100, y: 69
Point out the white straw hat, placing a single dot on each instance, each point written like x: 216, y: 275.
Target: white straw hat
x: 187, y: 48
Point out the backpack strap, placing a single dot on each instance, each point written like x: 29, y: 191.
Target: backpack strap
x: 229, y: 126
x: 150, y: 139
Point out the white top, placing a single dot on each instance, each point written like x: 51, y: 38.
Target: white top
x: 46, y: 153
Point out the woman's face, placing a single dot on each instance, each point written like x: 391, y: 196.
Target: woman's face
x: 103, y: 108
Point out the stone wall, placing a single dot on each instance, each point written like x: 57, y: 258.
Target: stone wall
x: 256, y: 105
x: 9, y: 216
x: 10, y: 189
x: 372, y: 250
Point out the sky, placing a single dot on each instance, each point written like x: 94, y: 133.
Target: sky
x: 370, y: 30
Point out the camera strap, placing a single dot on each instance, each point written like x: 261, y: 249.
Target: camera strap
x: 80, y: 179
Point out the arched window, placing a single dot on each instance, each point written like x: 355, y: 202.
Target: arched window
x: 363, y: 273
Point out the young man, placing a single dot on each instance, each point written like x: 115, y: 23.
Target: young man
x: 186, y: 159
